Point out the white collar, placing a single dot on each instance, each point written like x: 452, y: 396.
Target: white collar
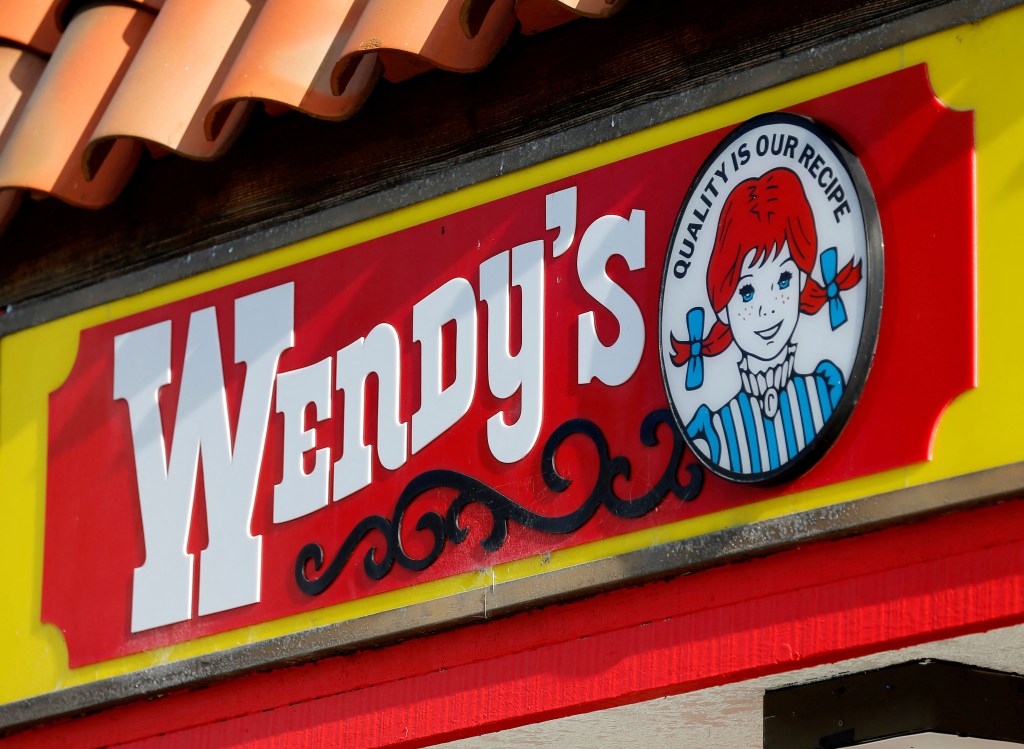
x: 765, y: 386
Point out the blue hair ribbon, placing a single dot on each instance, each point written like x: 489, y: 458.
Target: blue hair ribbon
x: 695, y: 332
x: 829, y: 268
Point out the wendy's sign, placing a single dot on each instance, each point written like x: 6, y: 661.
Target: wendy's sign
x: 489, y: 386
x: 771, y: 299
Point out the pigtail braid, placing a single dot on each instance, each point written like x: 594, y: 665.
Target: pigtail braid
x: 814, y: 295
x: 717, y: 341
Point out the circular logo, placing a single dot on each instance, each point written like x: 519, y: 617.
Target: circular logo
x: 771, y: 299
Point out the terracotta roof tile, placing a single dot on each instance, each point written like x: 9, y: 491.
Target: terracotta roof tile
x: 173, y: 80
x: 593, y: 8
x: 540, y: 15
x: 181, y: 75
x: 32, y: 23
x: 20, y: 71
x: 289, y: 58
x: 408, y: 34
x: 44, y: 148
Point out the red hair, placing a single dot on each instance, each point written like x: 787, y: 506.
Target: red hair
x: 762, y: 214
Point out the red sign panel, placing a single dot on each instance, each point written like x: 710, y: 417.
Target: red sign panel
x: 477, y: 389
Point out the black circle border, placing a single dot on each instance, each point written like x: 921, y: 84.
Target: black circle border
x: 874, y: 278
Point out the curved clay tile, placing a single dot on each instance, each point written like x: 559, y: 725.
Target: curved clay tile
x: 591, y: 8
x: 32, y: 23
x: 173, y: 81
x: 185, y: 81
x: 288, y: 58
x: 540, y: 15
x: 410, y: 36
x: 44, y: 148
x: 20, y: 70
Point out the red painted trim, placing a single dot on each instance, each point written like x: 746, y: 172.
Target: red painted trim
x: 830, y: 601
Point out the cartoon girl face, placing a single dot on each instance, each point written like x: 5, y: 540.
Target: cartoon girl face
x: 765, y: 308
x: 759, y: 277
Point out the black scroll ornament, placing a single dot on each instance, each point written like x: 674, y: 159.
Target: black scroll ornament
x: 502, y: 508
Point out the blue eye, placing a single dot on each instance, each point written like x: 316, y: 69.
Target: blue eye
x: 747, y: 292
x: 784, y: 279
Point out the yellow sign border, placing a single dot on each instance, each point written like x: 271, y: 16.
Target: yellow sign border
x: 971, y: 67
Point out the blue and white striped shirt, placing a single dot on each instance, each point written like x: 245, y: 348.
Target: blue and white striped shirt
x: 742, y: 439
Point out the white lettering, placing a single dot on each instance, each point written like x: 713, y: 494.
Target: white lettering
x: 377, y: 353
x: 607, y: 236
x: 560, y: 213
x: 301, y: 493
x: 506, y: 373
x: 440, y: 409
x: 231, y: 562
x: 230, y: 566
x: 162, y: 586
